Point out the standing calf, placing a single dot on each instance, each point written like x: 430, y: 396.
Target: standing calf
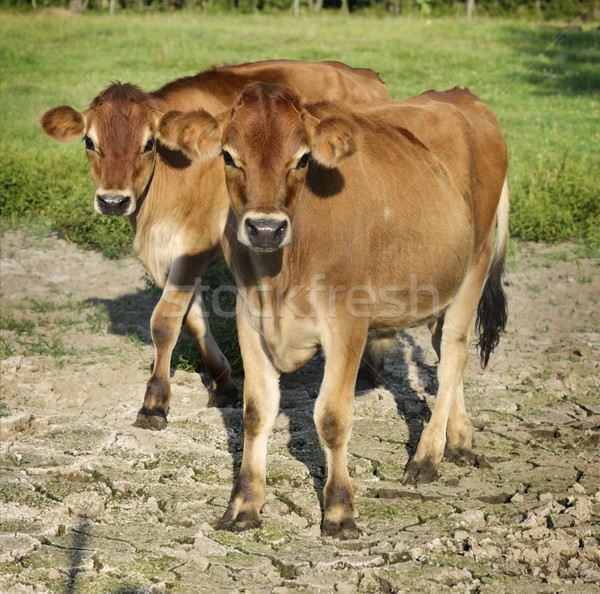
x: 178, y: 208
x: 348, y: 223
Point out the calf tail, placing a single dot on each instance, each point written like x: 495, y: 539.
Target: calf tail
x: 492, y: 311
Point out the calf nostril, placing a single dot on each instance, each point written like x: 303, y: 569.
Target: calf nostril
x: 251, y: 228
x: 281, y: 230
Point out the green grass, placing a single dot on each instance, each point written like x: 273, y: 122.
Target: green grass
x: 543, y: 86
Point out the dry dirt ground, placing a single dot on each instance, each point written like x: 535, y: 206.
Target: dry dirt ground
x: 91, y: 504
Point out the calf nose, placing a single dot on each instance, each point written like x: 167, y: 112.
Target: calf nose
x: 113, y: 205
x: 266, y: 234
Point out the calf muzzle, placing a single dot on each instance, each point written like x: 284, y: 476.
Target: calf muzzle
x: 267, y: 234
x: 113, y: 205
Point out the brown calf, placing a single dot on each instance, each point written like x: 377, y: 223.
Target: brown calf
x: 178, y: 208
x: 350, y: 222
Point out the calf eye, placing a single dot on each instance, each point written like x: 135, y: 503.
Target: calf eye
x: 89, y: 143
x: 303, y: 161
x: 228, y: 159
x: 149, y: 146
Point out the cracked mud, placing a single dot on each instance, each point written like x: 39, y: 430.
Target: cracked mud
x: 90, y: 503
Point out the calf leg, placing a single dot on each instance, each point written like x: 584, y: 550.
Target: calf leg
x: 333, y: 419
x: 457, y: 334
x: 177, y: 305
x: 222, y: 391
x: 458, y: 430
x: 261, y: 405
x: 165, y: 325
x: 373, y: 356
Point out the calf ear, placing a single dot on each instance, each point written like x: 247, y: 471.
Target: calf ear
x: 63, y: 123
x: 196, y: 133
x: 334, y: 140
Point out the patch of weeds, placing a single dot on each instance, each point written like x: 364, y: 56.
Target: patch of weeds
x: 53, y: 347
x: 4, y: 412
x: 8, y: 322
x: 99, y: 319
x: 63, y: 322
x: 184, y: 365
x: 135, y: 340
x: 559, y: 256
x: 42, y: 305
x: 53, y: 288
x: 6, y: 349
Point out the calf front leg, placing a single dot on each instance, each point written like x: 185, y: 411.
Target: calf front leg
x: 333, y: 419
x: 261, y: 405
x: 165, y: 326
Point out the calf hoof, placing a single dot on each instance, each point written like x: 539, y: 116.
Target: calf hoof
x: 460, y: 456
x: 420, y: 472
x: 243, y: 521
x: 222, y: 397
x: 344, y: 530
x: 153, y: 420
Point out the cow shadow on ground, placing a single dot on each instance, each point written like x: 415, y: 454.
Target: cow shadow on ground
x: 127, y: 315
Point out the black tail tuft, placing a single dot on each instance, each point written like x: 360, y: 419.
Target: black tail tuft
x: 492, y: 312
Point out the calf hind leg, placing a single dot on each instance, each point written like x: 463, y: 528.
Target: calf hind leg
x: 458, y: 430
x: 222, y: 391
x: 449, y: 420
x: 373, y: 356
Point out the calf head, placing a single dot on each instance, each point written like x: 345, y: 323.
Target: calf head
x: 119, y: 130
x: 267, y: 141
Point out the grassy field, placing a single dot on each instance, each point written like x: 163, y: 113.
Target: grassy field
x: 543, y: 85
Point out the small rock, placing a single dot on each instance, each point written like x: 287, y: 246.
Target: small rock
x: 591, y: 551
x: 54, y: 575
x: 298, y: 520
x: 360, y: 469
x: 225, y: 473
x: 453, y: 576
x: 517, y: 498
x: 580, y: 510
x: 472, y: 519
